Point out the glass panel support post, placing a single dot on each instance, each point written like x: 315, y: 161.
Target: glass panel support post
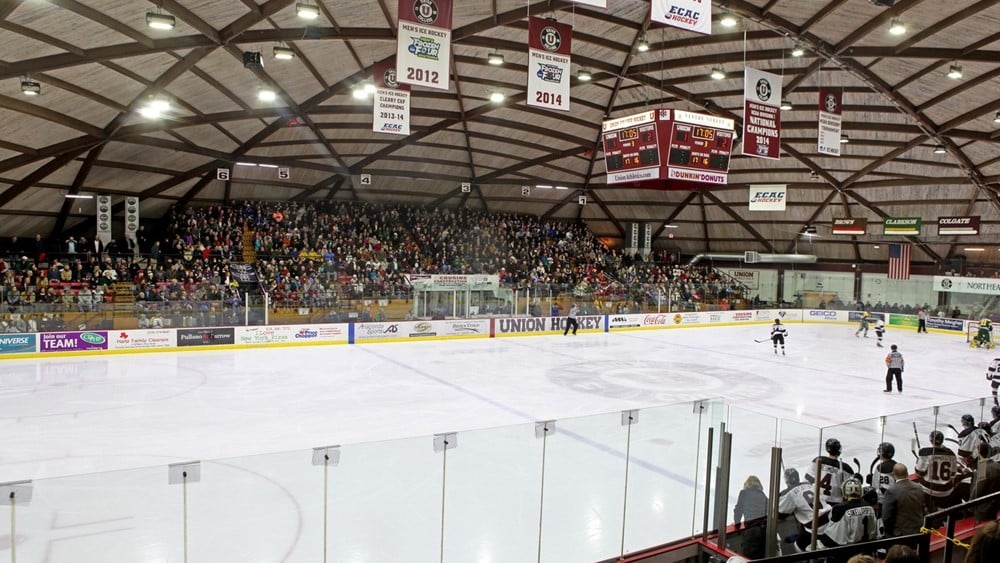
x: 326, y: 456
x: 14, y: 494
x: 182, y: 474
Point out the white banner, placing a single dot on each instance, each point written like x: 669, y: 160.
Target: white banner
x: 761, y: 114
x: 103, y: 210
x: 597, y: 3
x: 981, y: 286
x: 549, y: 48
x: 829, y: 121
x: 391, y: 111
x: 693, y: 15
x: 423, y: 43
x: 768, y: 197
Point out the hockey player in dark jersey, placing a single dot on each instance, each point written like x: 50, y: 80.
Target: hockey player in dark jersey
x: 832, y: 473
x: 880, y: 471
x: 937, y: 471
x: 984, y: 336
x: 852, y: 521
x: 863, y: 324
x: 993, y: 376
x: 879, y: 332
x: 778, y: 334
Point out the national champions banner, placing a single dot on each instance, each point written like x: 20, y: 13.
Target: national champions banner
x: 391, y: 110
x: 768, y: 197
x: 423, y: 44
x: 692, y: 15
x: 830, y: 121
x: 549, y: 48
x: 761, y: 114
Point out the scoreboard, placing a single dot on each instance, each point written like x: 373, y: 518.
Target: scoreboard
x: 697, y: 148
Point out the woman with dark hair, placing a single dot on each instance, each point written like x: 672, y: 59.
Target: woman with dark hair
x: 985, y: 546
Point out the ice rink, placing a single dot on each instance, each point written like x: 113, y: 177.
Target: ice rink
x: 79, y: 415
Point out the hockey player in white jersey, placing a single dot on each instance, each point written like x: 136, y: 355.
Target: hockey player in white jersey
x: 969, y: 439
x: 852, y: 521
x: 797, y: 501
x: 778, y: 334
x: 993, y: 376
x: 880, y: 471
x: 879, y: 332
x: 832, y: 473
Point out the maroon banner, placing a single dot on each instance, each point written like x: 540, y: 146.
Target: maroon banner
x: 428, y: 12
x: 958, y: 225
x: 385, y: 75
x: 550, y: 36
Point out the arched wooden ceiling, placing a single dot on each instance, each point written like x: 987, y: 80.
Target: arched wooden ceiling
x: 97, y: 63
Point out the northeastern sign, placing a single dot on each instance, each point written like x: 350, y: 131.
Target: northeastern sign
x: 958, y: 225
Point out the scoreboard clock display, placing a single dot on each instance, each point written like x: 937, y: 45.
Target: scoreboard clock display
x: 700, y: 147
x: 632, y: 148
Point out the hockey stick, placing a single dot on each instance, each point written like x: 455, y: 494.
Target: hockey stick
x: 916, y: 440
x: 857, y: 464
x: 953, y: 429
x: 759, y: 341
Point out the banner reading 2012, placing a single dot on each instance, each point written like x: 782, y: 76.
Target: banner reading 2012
x: 423, y: 44
x: 549, y: 48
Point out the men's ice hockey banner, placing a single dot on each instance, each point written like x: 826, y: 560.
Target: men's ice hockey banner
x: 903, y: 226
x: 598, y: 3
x: 423, y: 43
x: 849, y: 226
x: 958, y: 225
x: 761, y: 114
x: 391, y: 110
x: 549, y: 48
x: 132, y: 222
x: 899, y: 261
x: 829, y: 121
x: 768, y: 197
x: 103, y: 211
x: 693, y: 15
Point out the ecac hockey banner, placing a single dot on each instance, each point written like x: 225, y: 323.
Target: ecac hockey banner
x: 549, y: 48
x: 761, y: 114
x: 423, y: 43
x: 692, y: 15
x: 768, y: 197
x: 830, y: 121
x: 391, y: 110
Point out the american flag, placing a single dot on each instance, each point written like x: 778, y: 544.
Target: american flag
x: 899, y: 261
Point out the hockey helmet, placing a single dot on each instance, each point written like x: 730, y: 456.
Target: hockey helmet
x: 968, y: 421
x: 880, y: 323
x: 852, y: 489
x: 937, y: 438
x: 792, y: 477
x: 777, y: 321
x: 867, y: 314
x: 886, y: 450
x: 894, y: 347
x: 995, y: 411
x: 833, y: 447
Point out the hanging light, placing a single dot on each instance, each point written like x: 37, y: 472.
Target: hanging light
x: 283, y: 53
x: 955, y: 72
x: 583, y: 75
x: 798, y: 50
x: 643, y: 45
x: 496, y: 97
x: 813, y: 174
x: 359, y: 93
x: 266, y: 94
x: 157, y: 20
x: 897, y: 27
x: 495, y: 58
x: 996, y: 118
x: 728, y: 20
x: 786, y: 105
x: 844, y: 139
x: 29, y: 87
x: 718, y: 73
x: 306, y: 10
x: 940, y: 149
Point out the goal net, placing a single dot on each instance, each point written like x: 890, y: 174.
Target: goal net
x: 973, y: 328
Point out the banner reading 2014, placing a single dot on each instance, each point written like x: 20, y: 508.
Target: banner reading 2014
x: 761, y: 117
x: 423, y: 44
x: 549, y: 48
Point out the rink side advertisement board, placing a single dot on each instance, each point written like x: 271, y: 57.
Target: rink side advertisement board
x: 291, y: 334
x: 18, y: 343
x: 538, y: 325
x: 144, y: 339
x: 209, y: 336
x: 73, y: 341
x: 677, y: 146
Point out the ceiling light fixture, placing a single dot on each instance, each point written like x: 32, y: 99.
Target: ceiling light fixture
x: 996, y: 118
x: 974, y: 249
x: 955, y: 72
x: 306, y: 10
x: 939, y: 149
x: 156, y: 20
x: 358, y: 92
x: 813, y: 174
x: 897, y: 27
x: 29, y: 87
x: 810, y: 231
x: 497, y: 97
x: 266, y: 94
x: 786, y: 105
x: 495, y: 58
x: 583, y: 75
x: 283, y: 53
x: 877, y: 247
x: 643, y: 45
x: 79, y: 196
x: 844, y: 139
x: 717, y: 73
x: 728, y: 20
x: 798, y: 50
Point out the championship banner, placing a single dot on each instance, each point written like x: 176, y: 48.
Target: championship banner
x: 423, y: 44
x: 901, y: 226
x: 762, y: 114
x: 391, y: 110
x: 768, y: 197
x: 103, y: 210
x: 692, y: 15
x: 829, y: 121
x: 849, y: 226
x: 549, y: 48
x: 956, y: 284
x: 958, y: 225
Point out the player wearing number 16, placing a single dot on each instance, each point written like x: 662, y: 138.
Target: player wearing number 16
x: 936, y: 469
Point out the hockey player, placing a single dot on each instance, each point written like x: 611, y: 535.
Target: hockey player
x: 880, y: 471
x: 937, y: 469
x: 894, y: 364
x: 853, y: 521
x: 879, y: 332
x: 832, y: 473
x: 797, y: 501
x: 984, y: 336
x: 778, y: 334
x: 993, y: 376
x: 863, y: 324
x: 969, y: 439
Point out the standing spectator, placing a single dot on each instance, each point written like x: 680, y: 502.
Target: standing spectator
x: 751, y: 505
x: 921, y: 321
x: 985, y: 546
x: 39, y: 247
x: 903, y: 505
x: 987, y: 482
x: 894, y: 362
x: 71, y: 245
x: 571, y: 319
